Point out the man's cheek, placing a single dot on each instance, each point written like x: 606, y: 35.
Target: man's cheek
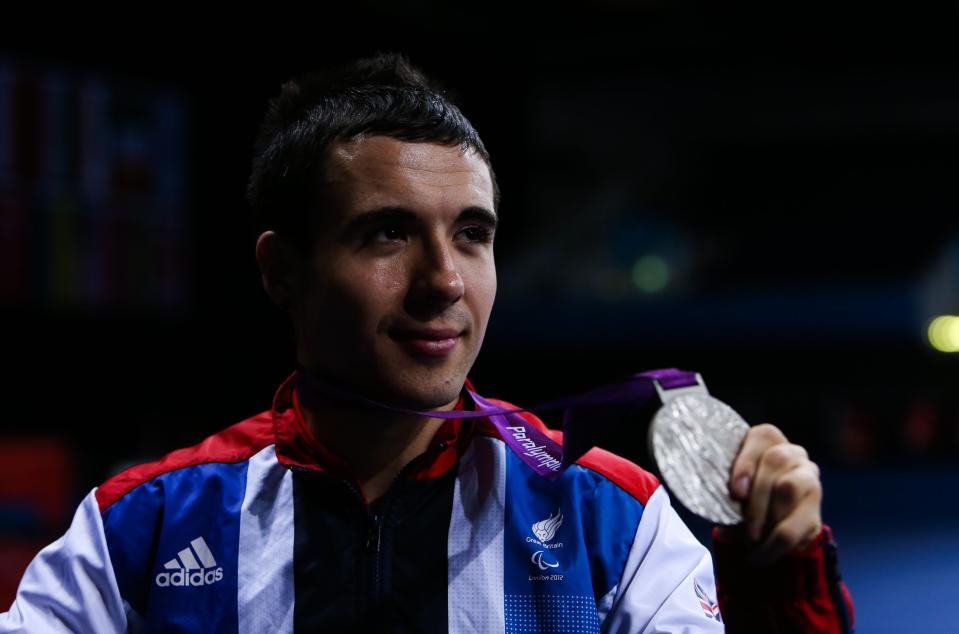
x: 344, y: 306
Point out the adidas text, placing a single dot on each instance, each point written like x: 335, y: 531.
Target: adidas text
x: 192, y: 566
x: 187, y: 578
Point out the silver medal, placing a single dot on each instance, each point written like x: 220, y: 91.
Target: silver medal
x: 694, y: 439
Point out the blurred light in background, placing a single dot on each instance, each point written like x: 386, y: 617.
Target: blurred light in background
x: 650, y: 273
x: 944, y: 333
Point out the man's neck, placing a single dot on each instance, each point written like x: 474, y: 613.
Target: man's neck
x: 377, y: 444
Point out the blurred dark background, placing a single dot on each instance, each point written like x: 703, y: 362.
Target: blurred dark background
x: 765, y: 196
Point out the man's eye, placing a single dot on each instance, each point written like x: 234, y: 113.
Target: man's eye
x: 478, y: 233
x: 387, y: 234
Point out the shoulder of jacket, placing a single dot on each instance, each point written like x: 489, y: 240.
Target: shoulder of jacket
x: 627, y: 475
x: 236, y: 443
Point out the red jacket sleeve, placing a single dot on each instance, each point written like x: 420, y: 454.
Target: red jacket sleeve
x: 801, y: 593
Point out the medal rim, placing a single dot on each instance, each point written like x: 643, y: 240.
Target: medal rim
x: 735, y: 506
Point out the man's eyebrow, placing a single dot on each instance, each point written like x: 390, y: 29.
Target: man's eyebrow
x: 479, y: 214
x: 403, y: 214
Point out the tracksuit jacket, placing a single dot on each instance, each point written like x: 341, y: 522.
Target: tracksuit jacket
x: 259, y: 528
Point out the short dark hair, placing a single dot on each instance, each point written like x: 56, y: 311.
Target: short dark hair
x: 383, y: 94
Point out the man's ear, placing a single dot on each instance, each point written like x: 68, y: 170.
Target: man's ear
x: 278, y: 268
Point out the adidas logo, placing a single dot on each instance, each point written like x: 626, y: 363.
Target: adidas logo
x: 187, y: 571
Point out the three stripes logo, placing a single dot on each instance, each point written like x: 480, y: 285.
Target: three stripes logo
x: 187, y: 571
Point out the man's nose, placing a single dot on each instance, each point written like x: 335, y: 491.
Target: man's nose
x: 438, y: 282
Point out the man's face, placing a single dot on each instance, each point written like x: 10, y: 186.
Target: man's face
x: 396, y: 296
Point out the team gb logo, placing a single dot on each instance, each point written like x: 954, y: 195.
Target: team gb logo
x: 545, y: 530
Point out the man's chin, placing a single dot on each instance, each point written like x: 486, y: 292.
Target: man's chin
x: 423, y: 398
x: 431, y: 389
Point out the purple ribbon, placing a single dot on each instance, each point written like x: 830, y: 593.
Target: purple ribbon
x: 588, y: 418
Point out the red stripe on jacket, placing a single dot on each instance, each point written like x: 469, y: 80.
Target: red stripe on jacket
x: 236, y: 443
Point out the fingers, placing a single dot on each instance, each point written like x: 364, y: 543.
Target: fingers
x: 775, y: 490
x: 781, y: 492
x: 757, y: 441
x: 795, y: 532
x: 782, y: 495
x: 790, y: 491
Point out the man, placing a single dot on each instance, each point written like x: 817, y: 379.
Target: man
x: 376, y: 209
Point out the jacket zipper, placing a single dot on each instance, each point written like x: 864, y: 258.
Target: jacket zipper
x: 375, y: 521
x: 374, y: 542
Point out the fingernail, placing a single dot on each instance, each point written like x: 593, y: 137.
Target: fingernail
x: 742, y: 486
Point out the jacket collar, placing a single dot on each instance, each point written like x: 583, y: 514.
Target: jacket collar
x: 296, y: 445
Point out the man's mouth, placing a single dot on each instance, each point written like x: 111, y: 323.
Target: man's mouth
x: 430, y: 342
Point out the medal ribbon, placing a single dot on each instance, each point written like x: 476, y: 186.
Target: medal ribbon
x: 588, y: 417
